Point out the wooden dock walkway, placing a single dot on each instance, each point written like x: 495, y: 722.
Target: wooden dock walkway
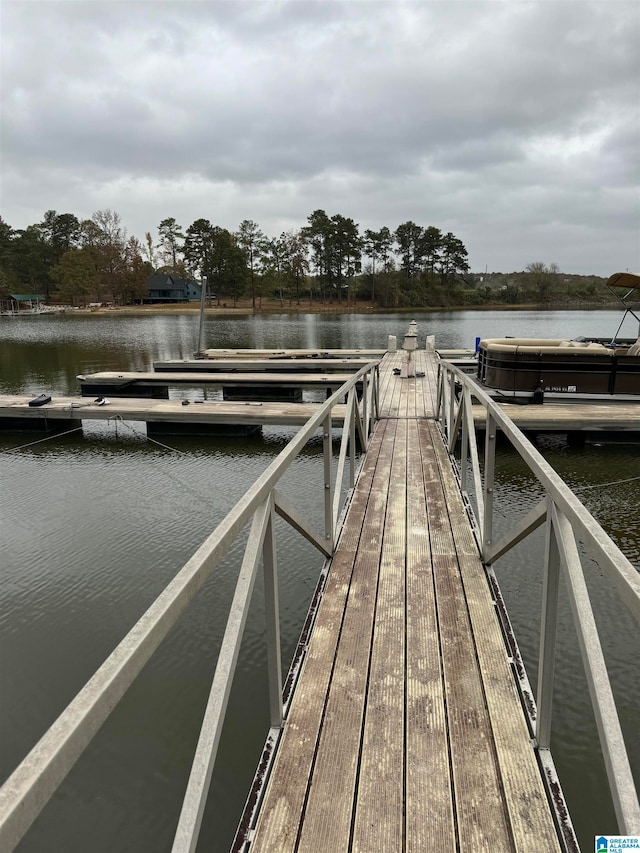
x: 406, y: 731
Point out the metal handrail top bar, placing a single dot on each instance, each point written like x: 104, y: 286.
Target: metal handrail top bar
x: 30, y: 786
x: 618, y: 567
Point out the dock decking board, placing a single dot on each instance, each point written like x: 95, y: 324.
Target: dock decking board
x: 378, y: 819
x: 328, y: 813
x: 159, y: 411
x: 292, y: 353
x: 146, y: 378
x: 274, y: 365
x: 429, y: 810
x: 406, y: 732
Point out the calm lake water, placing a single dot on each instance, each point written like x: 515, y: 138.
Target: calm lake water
x: 94, y: 524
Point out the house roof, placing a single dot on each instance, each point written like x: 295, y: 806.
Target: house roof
x: 27, y: 297
x: 165, y: 281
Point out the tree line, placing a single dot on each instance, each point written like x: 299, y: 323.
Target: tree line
x: 329, y: 259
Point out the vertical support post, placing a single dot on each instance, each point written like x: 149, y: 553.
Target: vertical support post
x: 489, y: 481
x: 352, y: 440
x: 274, y: 660
x: 376, y: 392
x: 328, y: 494
x: 550, y: 586
x: 464, y: 444
x: 203, y: 299
x: 365, y: 406
x: 452, y: 403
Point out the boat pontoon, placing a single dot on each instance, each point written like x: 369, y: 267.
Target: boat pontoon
x: 534, y: 369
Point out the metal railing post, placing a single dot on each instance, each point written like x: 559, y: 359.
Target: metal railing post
x: 328, y: 494
x: 376, y: 391
x: 464, y: 443
x: 346, y: 427
x: 489, y: 480
x: 452, y: 404
x: 352, y: 440
x: 365, y: 407
x: 274, y: 659
x: 203, y: 302
x: 444, y: 402
x: 548, y: 624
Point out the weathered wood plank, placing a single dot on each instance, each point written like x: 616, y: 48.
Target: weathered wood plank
x: 531, y: 822
x: 418, y: 386
x: 479, y: 808
x: 429, y: 810
x: 146, y: 378
x: 379, y: 818
x: 329, y: 808
x: 387, y: 383
x: 168, y: 411
x: 602, y: 417
x: 352, y: 528
x: 295, y: 365
x: 404, y: 397
x: 430, y: 384
x: 292, y: 353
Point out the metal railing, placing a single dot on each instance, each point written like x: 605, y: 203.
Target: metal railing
x: 567, y: 522
x: 28, y: 789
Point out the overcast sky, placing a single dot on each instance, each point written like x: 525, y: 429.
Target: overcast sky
x: 515, y: 125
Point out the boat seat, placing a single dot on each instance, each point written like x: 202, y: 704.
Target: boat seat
x: 634, y: 349
x: 582, y: 344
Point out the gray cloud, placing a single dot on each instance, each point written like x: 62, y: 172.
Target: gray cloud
x: 515, y: 125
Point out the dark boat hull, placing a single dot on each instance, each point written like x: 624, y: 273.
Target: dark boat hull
x: 524, y: 366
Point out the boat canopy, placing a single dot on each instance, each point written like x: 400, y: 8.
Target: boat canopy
x: 628, y: 280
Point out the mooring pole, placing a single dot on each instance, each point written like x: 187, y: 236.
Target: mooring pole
x: 203, y: 299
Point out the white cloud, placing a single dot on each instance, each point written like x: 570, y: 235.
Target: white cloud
x: 515, y: 125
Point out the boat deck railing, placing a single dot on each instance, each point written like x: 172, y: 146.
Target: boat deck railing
x: 567, y: 522
x: 31, y: 785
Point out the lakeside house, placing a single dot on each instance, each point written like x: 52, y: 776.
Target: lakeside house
x: 166, y: 287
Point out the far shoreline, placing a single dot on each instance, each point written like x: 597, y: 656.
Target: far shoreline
x: 243, y: 310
